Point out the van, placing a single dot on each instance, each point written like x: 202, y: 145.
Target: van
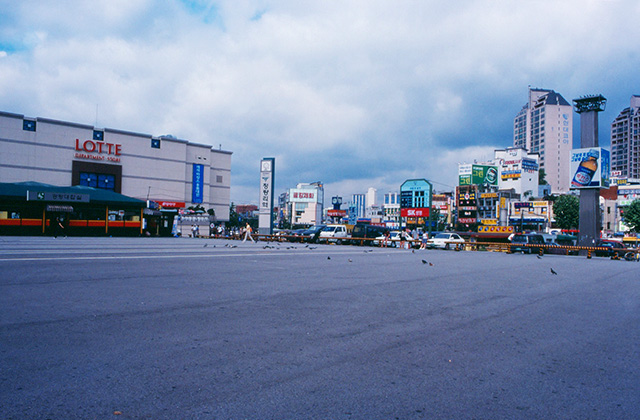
x: 364, y: 231
x: 527, y: 243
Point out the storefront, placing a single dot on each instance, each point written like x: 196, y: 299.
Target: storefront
x: 32, y: 208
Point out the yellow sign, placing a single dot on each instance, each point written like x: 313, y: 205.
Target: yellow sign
x: 495, y: 229
x: 489, y: 222
x: 489, y: 195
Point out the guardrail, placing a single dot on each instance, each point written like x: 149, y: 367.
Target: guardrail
x: 629, y: 254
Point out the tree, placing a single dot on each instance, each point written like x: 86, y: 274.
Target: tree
x: 542, y: 175
x: 566, y: 209
x: 631, y: 216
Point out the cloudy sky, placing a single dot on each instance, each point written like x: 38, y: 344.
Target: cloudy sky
x: 356, y: 94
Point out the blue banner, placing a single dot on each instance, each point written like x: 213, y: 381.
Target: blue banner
x: 197, y: 183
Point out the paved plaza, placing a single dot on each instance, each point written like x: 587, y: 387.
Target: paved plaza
x: 166, y: 328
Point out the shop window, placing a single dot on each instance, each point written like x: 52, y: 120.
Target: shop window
x: 28, y: 125
x: 155, y: 143
x: 98, y: 135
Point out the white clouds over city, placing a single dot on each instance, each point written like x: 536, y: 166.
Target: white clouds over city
x: 354, y: 94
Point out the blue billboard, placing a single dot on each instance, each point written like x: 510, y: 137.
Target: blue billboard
x: 197, y: 183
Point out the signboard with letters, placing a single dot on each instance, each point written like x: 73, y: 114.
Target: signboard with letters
x: 197, y: 190
x: 267, y: 175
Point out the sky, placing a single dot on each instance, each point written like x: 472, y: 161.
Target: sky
x: 354, y: 94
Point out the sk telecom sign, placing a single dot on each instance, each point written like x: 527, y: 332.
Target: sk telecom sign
x: 422, y: 212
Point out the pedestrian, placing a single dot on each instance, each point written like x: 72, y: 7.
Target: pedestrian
x: 58, y: 227
x: 386, y: 238
x: 247, y: 233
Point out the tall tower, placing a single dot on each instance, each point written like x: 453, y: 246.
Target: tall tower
x: 544, y: 125
x: 625, y: 142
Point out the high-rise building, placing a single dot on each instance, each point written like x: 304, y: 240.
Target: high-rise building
x: 359, y: 202
x: 371, y: 197
x: 544, y: 126
x: 625, y: 142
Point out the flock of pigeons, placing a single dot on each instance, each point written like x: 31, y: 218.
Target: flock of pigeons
x: 269, y: 246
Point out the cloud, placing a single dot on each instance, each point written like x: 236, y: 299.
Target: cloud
x: 353, y: 94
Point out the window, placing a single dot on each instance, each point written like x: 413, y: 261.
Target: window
x: 28, y: 125
x: 95, y: 180
x: 98, y: 135
x: 219, y: 179
x: 155, y: 143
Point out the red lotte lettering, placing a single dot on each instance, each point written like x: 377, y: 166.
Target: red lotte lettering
x: 91, y: 146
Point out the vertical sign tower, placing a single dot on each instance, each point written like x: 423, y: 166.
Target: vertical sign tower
x: 265, y: 211
x: 588, y: 108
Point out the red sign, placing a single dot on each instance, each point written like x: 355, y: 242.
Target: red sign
x: 170, y: 204
x: 98, y: 150
x: 417, y: 212
x: 336, y: 213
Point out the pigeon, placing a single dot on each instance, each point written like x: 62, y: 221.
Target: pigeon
x: 328, y: 258
x: 350, y: 260
x: 205, y: 245
x: 424, y: 262
x: 553, y: 272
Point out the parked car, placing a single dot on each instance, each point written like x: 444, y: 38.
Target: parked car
x: 445, y: 240
x: 527, y: 243
x: 334, y: 233
x: 612, y: 246
x: 312, y: 234
x: 392, y: 241
x: 367, y: 231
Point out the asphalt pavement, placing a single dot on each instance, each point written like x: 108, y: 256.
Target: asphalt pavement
x: 180, y: 328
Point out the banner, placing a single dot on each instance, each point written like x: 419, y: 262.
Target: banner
x: 197, y: 183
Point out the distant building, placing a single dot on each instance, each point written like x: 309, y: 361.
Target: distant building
x: 305, y: 205
x: 625, y: 142
x: 544, y: 126
x: 518, y: 171
x: 372, y: 197
x: 358, y: 201
x: 391, y: 209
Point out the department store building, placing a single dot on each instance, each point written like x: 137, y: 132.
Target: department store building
x: 169, y: 173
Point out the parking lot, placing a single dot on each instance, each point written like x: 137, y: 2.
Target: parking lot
x: 217, y: 329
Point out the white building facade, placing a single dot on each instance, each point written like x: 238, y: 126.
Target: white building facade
x: 545, y: 126
x: 163, y: 169
x: 306, y: 204
x: 518, y: 170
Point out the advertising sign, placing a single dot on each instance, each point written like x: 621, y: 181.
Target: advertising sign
x: 484, y: 174
x: 421, y: 212
x: 302, y: 196
x: 590, y: 168
x: 415, y: 193
x: 197, y: 183
x: 477, y: 175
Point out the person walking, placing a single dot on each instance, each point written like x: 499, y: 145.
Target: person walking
x: 247, y: 233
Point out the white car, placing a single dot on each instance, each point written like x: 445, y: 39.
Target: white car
x: 445, y: 240
x: 334, y: 233
x: 394, y: 239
